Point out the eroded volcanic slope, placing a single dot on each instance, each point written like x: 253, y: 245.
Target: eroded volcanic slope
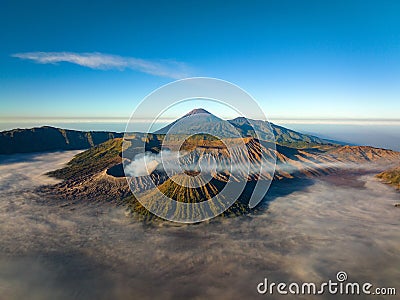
x: 96, y: 175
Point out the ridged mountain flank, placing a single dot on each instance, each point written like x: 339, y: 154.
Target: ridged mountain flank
x: 49, y: 138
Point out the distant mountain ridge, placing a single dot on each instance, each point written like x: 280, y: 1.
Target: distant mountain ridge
x: 207, y: 122
x: 49, y: 138
x: 283, y: 136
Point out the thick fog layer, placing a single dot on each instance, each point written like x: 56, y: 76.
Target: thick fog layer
x: 308, y: 230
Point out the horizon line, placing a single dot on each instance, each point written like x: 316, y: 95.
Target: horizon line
x: 327, y: 121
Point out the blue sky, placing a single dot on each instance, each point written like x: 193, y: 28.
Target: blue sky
x: 299, y: 59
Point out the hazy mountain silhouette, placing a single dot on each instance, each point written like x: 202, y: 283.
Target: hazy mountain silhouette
x: 200, y: 120
x: 49, y: 138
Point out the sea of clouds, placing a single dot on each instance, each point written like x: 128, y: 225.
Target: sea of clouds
x: 305, y: 230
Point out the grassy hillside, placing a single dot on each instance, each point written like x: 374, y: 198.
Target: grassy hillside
x: 391, y: 177
x: 92, y: 161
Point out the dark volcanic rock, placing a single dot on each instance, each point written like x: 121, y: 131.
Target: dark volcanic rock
x: 51, y: 139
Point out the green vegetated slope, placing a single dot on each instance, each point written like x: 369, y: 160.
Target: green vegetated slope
x: 92, y: 161
x: 391, y: 176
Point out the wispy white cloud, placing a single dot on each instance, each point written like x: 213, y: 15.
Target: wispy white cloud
x: 101, y: 61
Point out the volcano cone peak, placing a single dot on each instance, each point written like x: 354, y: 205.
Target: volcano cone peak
x: 197, y: 111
